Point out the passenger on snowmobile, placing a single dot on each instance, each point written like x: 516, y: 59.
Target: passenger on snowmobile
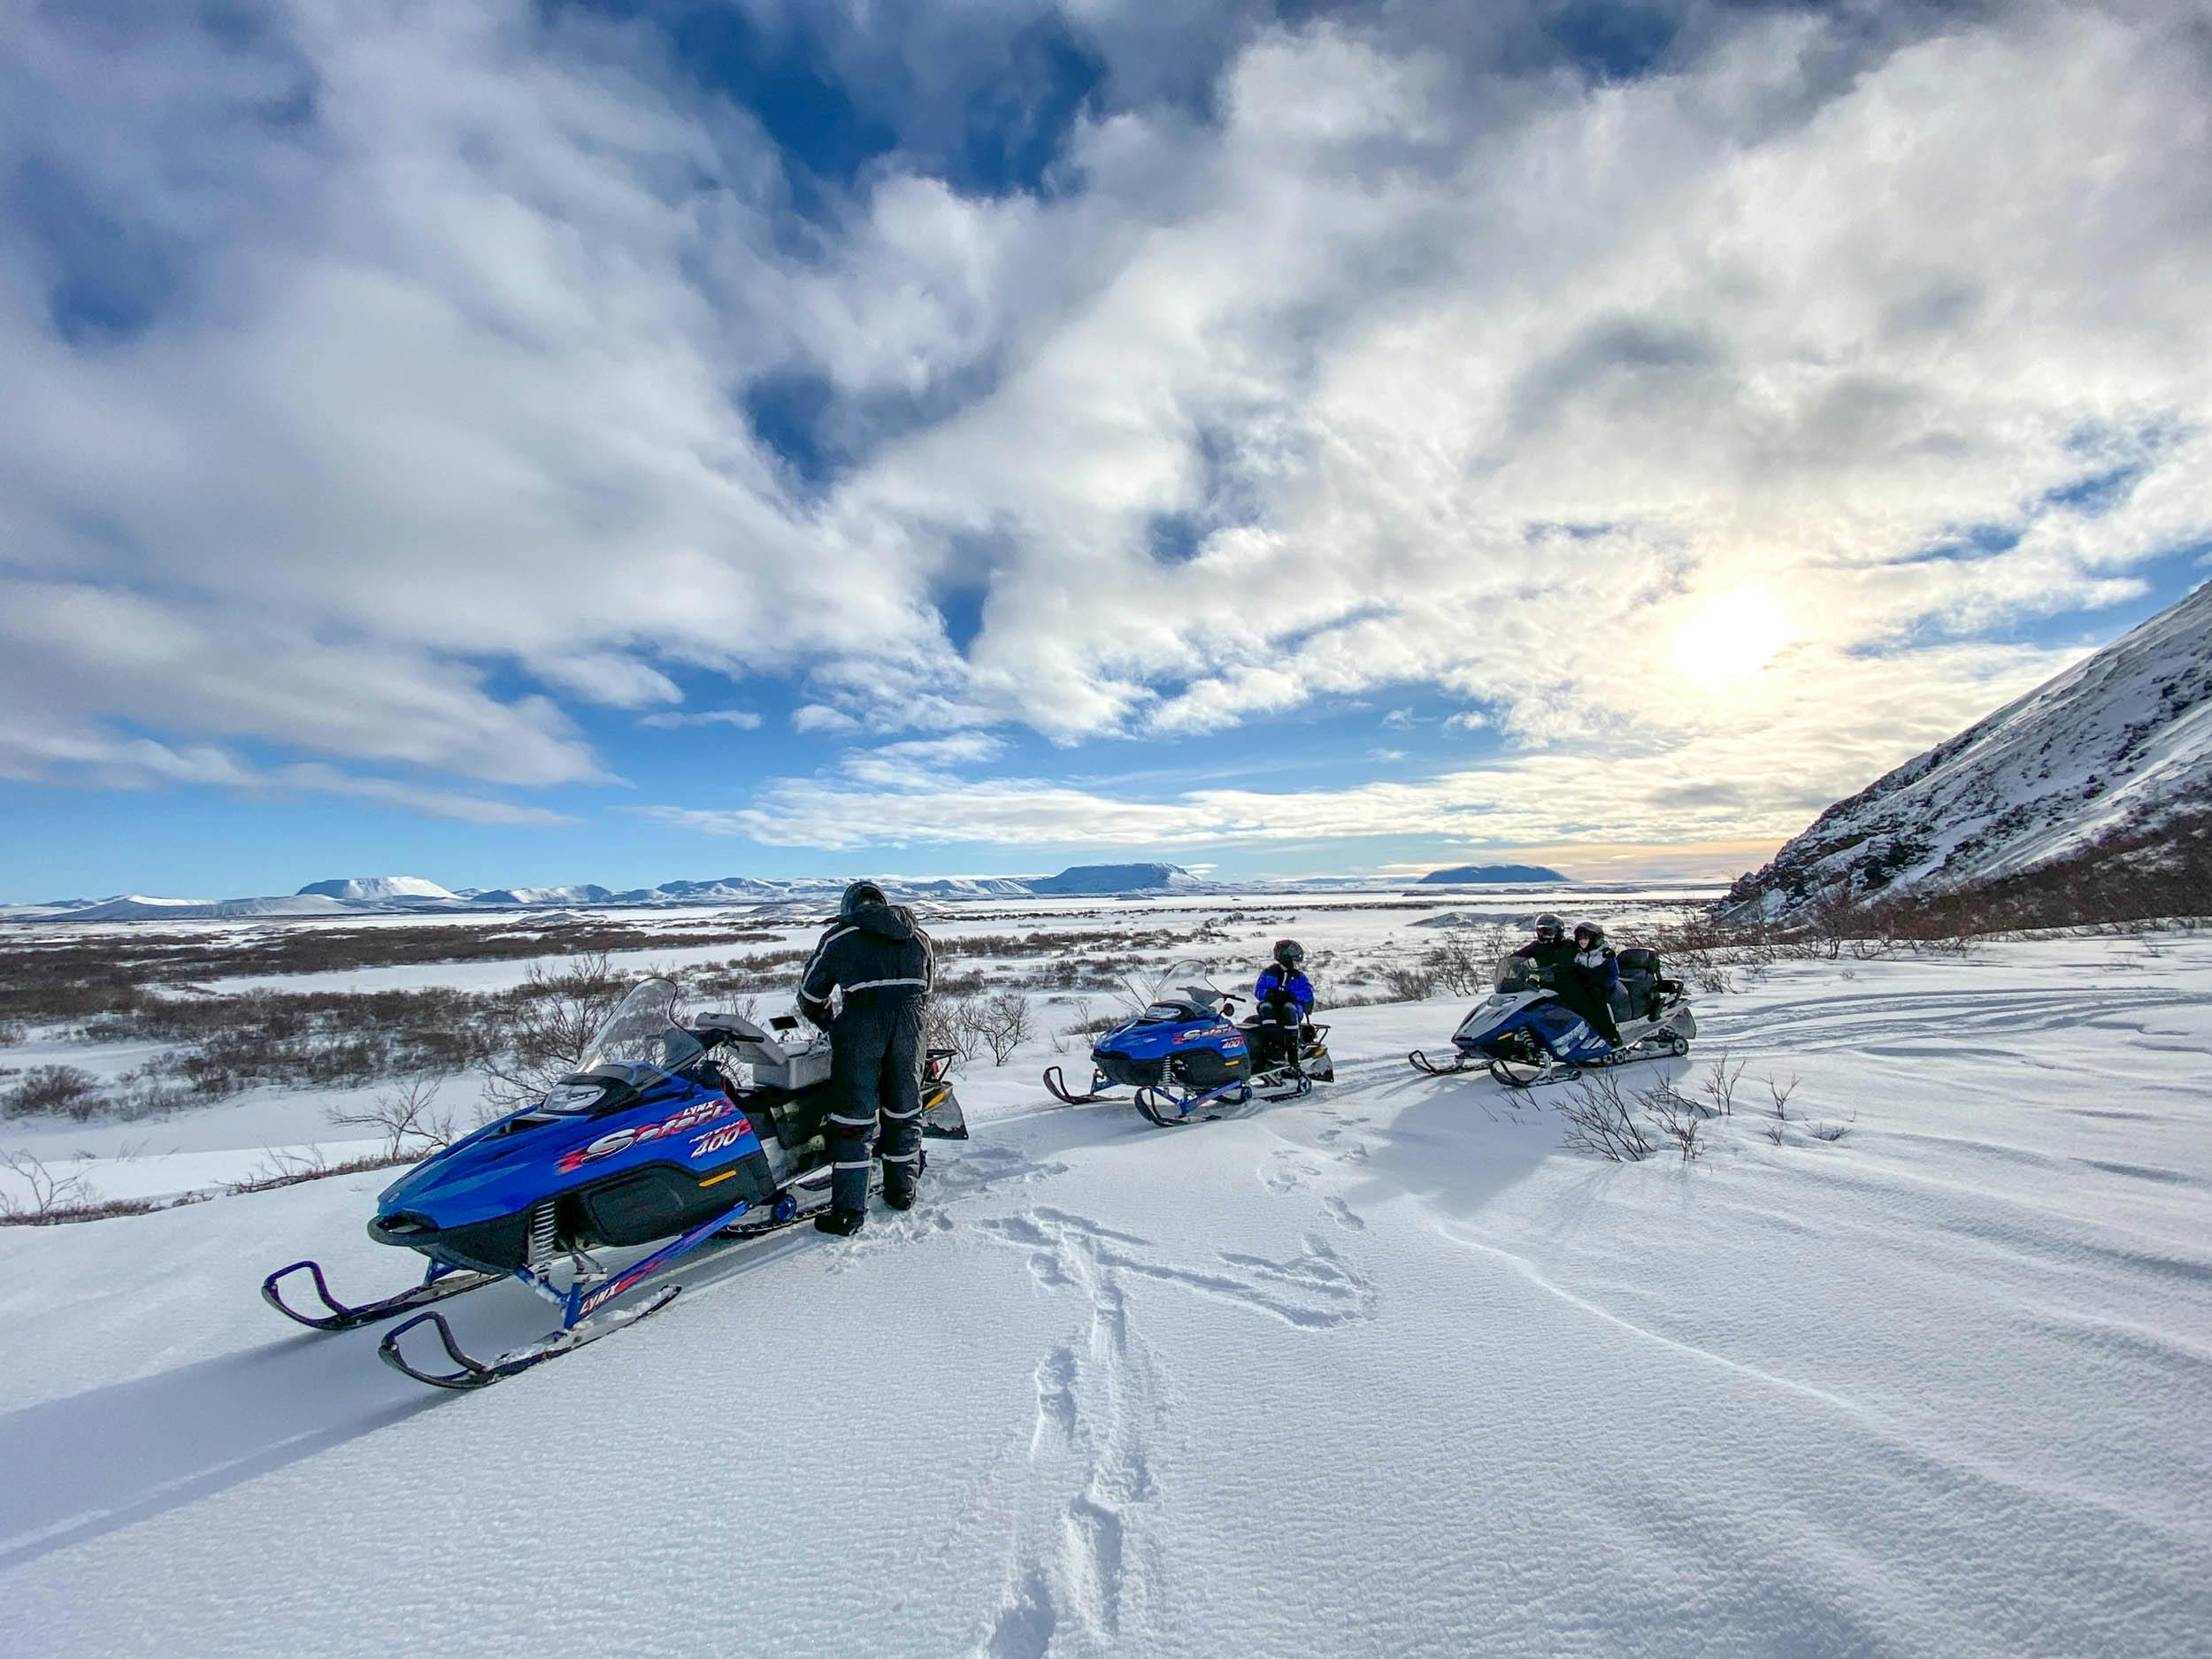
x: 881, y: 958
x: 1549, y: 951
x: 1587, y: 982
x: 1283, y: 1000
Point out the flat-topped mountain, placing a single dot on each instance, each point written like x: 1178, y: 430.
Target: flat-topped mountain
x: 1468, y: 875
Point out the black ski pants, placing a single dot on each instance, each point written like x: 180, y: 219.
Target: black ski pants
x: 1281, y: 1020
x: 1585, y: 995
x: 875, y: 1074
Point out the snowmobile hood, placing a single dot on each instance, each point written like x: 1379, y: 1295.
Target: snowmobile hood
x: 507, y: 1164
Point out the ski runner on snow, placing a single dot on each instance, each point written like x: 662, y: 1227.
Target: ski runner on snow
x: 881, y: 958
x: 1283, y: 999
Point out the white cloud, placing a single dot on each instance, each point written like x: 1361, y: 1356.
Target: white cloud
x: 744, y: 719
x: 1454, y: 378
x: 603, y: 677
x: 816, y: 717
x: 1722, y: 782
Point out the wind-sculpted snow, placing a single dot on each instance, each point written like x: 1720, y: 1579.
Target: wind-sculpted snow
x: 1379, y: 1372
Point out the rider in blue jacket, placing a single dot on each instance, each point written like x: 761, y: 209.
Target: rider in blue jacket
x: 1283, y: 998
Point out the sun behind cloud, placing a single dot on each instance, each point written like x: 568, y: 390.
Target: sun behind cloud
x: 1733, y: 635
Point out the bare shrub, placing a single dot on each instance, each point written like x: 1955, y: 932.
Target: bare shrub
x: 1464, y: 961
x: 291, y: 1169
x: 1832, y: 1132
x: 1719, y: 1084
x: 1677, y: 1115
x: 540, y: 1031
x: 57, y: 1091
x: 1779, y: 1094
x: 1003, y: 1023
x: 402, y: 1115
x: 1404, y: 984
x: 949, y: 1022
x: 1600, y: 1119
x: 47, y: 1191
x: 14, y: 1032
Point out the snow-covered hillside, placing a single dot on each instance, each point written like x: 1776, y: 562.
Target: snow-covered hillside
x: 375, y: 889
x: 2119, y: 742
x: 1384, y: 1372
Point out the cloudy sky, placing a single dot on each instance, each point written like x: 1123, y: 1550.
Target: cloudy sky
x: 530, y: 439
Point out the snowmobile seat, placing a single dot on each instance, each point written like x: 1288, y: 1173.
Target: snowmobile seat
x: 1637, y: 996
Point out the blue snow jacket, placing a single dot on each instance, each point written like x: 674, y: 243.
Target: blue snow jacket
x: 1271, y: 979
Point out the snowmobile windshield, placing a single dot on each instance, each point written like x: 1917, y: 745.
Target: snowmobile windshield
x: 1182, y: 985
x: 1517, y: 973
x: 642, y: 1031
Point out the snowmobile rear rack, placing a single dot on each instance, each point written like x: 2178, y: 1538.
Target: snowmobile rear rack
x: 438, y: 1284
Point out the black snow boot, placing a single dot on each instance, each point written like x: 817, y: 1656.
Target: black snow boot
x: 898, y: 1197
x: 843, y: 1223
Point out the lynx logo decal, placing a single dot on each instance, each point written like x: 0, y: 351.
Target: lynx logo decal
x: 705, y: 1111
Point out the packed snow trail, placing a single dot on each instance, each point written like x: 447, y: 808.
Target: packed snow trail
x: 1379, y: 1372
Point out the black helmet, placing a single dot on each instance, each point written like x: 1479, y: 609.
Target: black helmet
x: 1289, y: 953
x: 1549, y: 926
x: 858, y: 894
x: 1597, y: 934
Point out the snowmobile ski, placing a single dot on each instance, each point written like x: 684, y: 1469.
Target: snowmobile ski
x: 1057, y: 1085
x: 1457, y: 1063
x: 470, y: 1373
x: 440, y: 1283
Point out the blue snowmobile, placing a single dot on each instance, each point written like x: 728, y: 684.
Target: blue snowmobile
x: 1185, y: 1058
x: 687, y: 1133
x: 1525, y: 1036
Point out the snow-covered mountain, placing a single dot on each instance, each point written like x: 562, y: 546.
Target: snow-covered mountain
x: 133, y: 907
x: 1087, y: 880
x: 376, y: 889
x: 369, y: 894
x: 539, y: 898
x: 2120, y: 743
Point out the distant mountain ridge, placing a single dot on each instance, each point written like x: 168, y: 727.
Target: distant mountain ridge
x: 2118, y: 746
x: 1468, y: 875
x: 373, y: 894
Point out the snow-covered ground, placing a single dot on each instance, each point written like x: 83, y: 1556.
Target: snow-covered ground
x: 1384, y: 1371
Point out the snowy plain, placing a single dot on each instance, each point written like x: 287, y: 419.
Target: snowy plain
x: 1385, y: 1371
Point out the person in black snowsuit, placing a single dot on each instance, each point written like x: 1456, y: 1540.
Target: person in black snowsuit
x: 876, y: 954
x: 1550, y: 952
x: 1283, y: 1000
x: 1587, y: 981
